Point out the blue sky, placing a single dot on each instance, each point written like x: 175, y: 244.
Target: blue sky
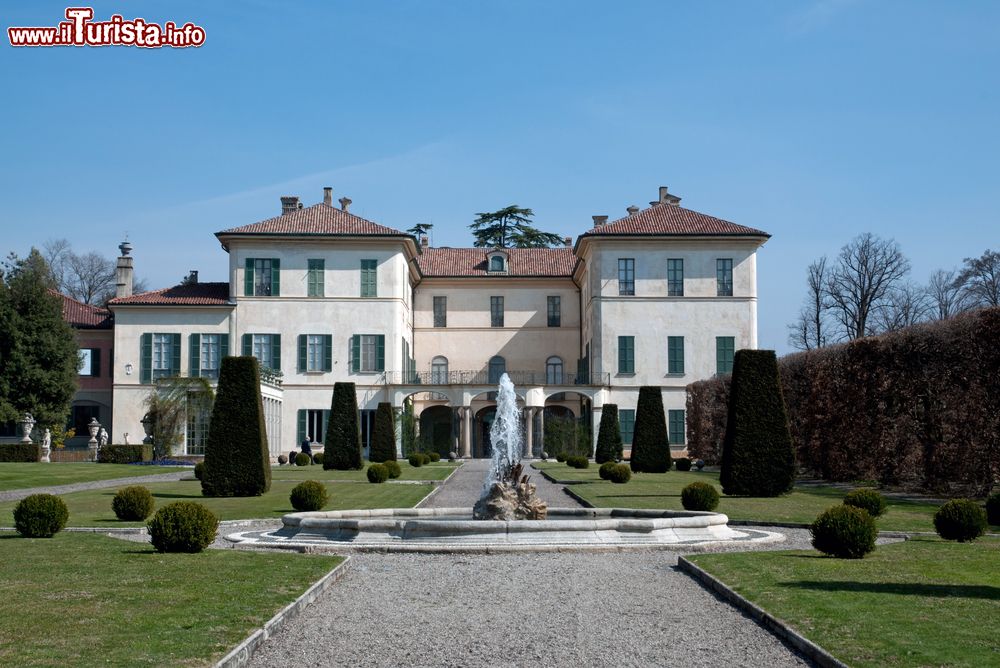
x: 814, y: 121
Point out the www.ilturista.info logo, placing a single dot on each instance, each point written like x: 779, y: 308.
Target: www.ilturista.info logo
x: 80, y: 30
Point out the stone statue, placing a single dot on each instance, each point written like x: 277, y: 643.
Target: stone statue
x: 126, y: 438
x: 47, y: 439
x: 102, y: 438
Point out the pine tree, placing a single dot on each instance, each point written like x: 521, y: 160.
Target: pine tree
x: 758, y: 458
x: 609, y: 437
x: 237, y: 460
x: 383, y: 446
x: 39, y: 357
x: 650, y: 448
x: 342, y: 445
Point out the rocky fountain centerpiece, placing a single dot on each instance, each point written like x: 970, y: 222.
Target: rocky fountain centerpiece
x: 507, y: 493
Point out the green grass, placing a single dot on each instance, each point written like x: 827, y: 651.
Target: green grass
x: 82, y: 599
x: 802, y: 505
x: 93, y: 507
x: 925, y: 602
x: 25, y: 475
x: 436, y: 471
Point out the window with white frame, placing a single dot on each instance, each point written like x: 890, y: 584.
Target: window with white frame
x: 439, y: 370
x: 163, y: 349
x: 554, y: 371
x: 211, y: 353
x: 262, y: 349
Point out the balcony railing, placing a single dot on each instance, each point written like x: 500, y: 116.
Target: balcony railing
x: 485, y: 377
x: 270, y: 376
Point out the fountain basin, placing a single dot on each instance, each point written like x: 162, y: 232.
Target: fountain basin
x: 454, y: 529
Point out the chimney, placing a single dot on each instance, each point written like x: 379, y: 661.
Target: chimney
x: 568, y: 242
x: 632, y: 210
x: 600, y: 221
x: 290, y: 203
x: 423, y: 241
x: 123, y: 271
x: 667, y: 198
x: 345, y: 203
x: 192, y: 277
x: 328, y: 196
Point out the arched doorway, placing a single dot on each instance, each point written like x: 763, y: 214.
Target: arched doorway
x: 481, y: 445
x: 437, y: 429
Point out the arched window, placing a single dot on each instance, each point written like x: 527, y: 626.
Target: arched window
x: 498, y: 366
x: 439, y: 370
x: 497, y: 263
x: 554, y: 371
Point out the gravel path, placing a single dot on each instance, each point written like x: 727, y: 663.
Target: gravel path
x: 464, y: 487
x: 16, y: 494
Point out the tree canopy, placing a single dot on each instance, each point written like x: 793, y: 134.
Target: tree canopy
x: 510, y: 227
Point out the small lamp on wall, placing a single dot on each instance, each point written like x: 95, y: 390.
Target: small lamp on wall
x: 128, y: 368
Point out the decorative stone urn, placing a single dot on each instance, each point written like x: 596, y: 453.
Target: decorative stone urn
x: 93, y: 427
x: 147, y: 426
x: 27, y: 424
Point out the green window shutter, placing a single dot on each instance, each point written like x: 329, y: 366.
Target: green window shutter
x: 223, y: 347
x: 356, y: 353
x: 95, y: 362
x: 248, y: 278
x: 626, y: 354
x: 626, y: 425
x: 175, y: 354
x: 675, y: 423
x: 194, y: 356
x: 303, y: 353
x: 327, y: 352
x: 725, y: 349
x: 369, y: 278
x: 276, y: 352
x: 326, y: 419
x: 380, y: 353
x: 146, y: 359
x: 300, y: 431
x: 247, y: 345
x: 275, y: 277
x: 675, y: 354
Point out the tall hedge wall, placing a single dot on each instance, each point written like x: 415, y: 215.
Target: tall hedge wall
x: 342, y: 444
x: 20, y: 452
x: 919, y: 408
x: 650, y: 447
x: 609, y: 436
x: 383, y: 447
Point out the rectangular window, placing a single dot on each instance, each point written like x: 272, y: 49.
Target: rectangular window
x: 369, y: 278
x: 314, y: 352
x: 496, y: 311
x: 440, y: 311
x: 266, y: 348
x: 626, y: 354
x: 211, y: 355
x: 81, y: 416
x: 159, y: 356
x: 90, y: 362
x: 555, y: 311
x: 367, y: 353
x: 199, y: 414
x: 725, y: 350
x: 261, y: 277
x: 724, y: 277
x: 316, y: 278
x: 675, y: 427
x: 626, y: 424
x: 262, y: 349
x: 675, y: 278
x: 626, y: 276
x: 675, y: 354
x: 162, y: 355
x: 315, y: 424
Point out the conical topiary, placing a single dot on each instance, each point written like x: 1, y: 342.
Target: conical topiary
x: 650, y: 448
x: 609, y: 436
x: 237, y: 461
x: 757, y: 454
x: 383, y: 447
x: 342, y: 446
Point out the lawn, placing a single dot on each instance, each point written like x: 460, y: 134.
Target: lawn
x: 93, y: 507
x: 83, y: 599
x: 663, y: 490
x: 925, y: 602
x: 24, y: 475
x: 435, y: 471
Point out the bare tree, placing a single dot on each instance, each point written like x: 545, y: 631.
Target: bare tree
x: 57, y: 253
x: 945, y: 294
x: 810, y: 330
x: 904, y: 305
x: 980, y: 279
x: 868, y: 269
x: 91, y: 278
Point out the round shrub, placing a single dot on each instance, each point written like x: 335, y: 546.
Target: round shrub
x: 415, y: 460
x: 620, y: 474
x: 199, y: 473
x: 426, y: 457
x: 282, y: 460
x: 578, y: 462
x: 302, y: 459
x: 378, y: 473
x: 318, y: 458
x: 699, y: 496
x: 866, y: 499
x: 182, y: 526
x: 683, y: 464
x: 309, y: 495
x: 844, y: 531
x: 435, y: 456
x: 134, y: 503
x: 605, y: 470
x: 392, y: 466
x: 561, y: 457
x: 291, y: 456
x: 40, y: 516
x: 993, y: 509
x: 960, y: 519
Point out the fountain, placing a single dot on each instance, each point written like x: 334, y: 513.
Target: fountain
x: 499, y: 519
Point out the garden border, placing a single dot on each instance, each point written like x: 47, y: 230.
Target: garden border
x: 438, y: 484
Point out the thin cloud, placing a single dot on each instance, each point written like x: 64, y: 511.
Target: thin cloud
x: 817, y: 15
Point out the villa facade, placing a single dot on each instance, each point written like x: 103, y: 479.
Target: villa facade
x: 663, y: 296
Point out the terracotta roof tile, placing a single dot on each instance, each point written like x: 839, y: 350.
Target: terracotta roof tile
x: 669, y: 220
x: 524, y: 262
x: 190, y: 294
x: 84, y: 316
x: 317, y: 219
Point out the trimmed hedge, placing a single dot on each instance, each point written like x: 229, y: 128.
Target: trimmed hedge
x: 40, y: 516
x: 125, y: 454
x: 183, y: 526
x: 683, y: 464
x: 866, y: 499
x: 302, y: 459
x: 416, y: 460
x: 309, y: 496
x: 434, y: 456
x: 620, y: 474
x: 318, y: 458
x: 392, y: 466
x: 20, y: 452
x: 993, y: 509
x: 650, y: 447
x: 199, y: 470
x: 383, y: 446
x: 917, y: 408
x: 605, y: 471
x: 133, y: 503
x: 609, y: 436
x: 578, y: 462
x: 342, y: 444
x: 237, y: 460
x: 845, y: 532
x: 960, y: 519
x: 757, y: 455
x: 377, y: 473
x: 699, y: 496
